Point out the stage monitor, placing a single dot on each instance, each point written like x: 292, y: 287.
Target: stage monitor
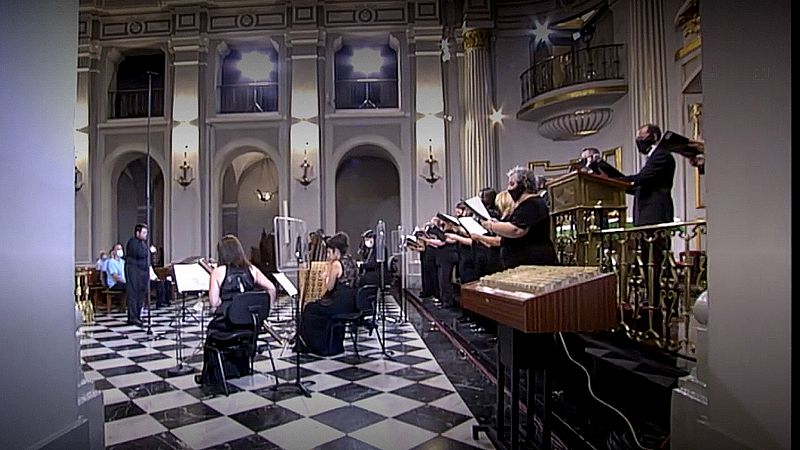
x: 291, y: 243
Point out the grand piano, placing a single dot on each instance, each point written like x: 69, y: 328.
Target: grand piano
x: 530, y: 305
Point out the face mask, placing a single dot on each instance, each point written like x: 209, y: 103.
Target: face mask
x: 644, y: 144
x: 104, y: 257
x: 517, y: 192
x: 369, y: 243
x: 119, y: 253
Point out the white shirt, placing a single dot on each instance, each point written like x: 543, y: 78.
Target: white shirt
x: 652, y: 149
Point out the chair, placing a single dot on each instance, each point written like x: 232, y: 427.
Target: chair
x: 365, y: 299
x: 110, y: 294
x: 245, y: 316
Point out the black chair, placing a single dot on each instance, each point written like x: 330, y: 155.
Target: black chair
x: 244, y: 317
x: 365, y: 314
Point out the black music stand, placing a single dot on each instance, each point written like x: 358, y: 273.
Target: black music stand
x: 294, y: 295
x: 189, y: 278
x: 380, y: 258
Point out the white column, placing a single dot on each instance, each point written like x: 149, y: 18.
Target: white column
x: 185, y: 238
x: 304, y: 135
x: 479, y: 162
x: 647, y: 65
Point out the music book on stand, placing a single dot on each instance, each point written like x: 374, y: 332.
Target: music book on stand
x: 285, y: 283
x: 194, y: 277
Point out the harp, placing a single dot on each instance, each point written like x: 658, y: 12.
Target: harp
x: 312, y: 276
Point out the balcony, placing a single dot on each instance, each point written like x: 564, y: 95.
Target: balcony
x: 585, y: 78
x: 248, y: 97
x: 130, y: 103
x: 367, y: 93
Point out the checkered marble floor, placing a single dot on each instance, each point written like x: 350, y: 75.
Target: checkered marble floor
x: 400, y: 403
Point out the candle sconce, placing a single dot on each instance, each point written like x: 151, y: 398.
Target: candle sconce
x: 431, y: 177
x: 187, y: 176
x: 307, y: 177
x: 265, y: 197
x: 78, y: 178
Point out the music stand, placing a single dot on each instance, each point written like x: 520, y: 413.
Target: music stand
x: 398, y: 250
x: 193, y: 278
x: 380, y: 258
x: 291, y: 247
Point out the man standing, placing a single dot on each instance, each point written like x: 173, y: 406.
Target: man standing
x: 652, y: 186
x: 137, y: 265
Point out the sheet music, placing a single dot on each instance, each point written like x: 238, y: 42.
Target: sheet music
x: 448, y: 218
x: 412, y: 238
x: 285, y: 283
x: 477, y: 206
x: 472, y: 225
x: 191, y: 277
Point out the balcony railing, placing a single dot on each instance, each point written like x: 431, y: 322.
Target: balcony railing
x: 600, y: 62
x: 129, y: 103
x: 248, y: 97
x: 367, y: 93
x: 661, y: 270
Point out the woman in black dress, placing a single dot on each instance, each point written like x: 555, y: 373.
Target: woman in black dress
x: 525, y: 234
x: 232, y: 276
x: 317, y: 331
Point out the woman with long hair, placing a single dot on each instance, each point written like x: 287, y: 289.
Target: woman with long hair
x: 233, y: 275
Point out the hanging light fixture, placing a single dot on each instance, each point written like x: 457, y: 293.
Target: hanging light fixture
x: 78, y: 178
x: 306, y: 179
x: 431, y: 177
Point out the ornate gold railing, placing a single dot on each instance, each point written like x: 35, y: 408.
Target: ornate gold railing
x: 82, y: 294
x: 661, y: 269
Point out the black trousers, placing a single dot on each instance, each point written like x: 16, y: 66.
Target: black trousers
x: 136, y: 289
x: 163, y: 289
x: 445, y: 261
x: 430, y: 283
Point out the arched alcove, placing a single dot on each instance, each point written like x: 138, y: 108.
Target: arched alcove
x: 367, y: 190
x: 131, y: 201
x: 244, y: 213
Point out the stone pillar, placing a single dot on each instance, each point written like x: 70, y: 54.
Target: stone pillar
x: 85, y: 151
x: 305, y: 198
x: 185, y: 231
x: 429, y: 128
x: 647, y: 61
x: 479, y: 161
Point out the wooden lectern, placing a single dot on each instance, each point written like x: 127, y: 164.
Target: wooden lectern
x: 581, y: 202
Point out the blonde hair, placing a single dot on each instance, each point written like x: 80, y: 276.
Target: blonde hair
x: 504, y: 203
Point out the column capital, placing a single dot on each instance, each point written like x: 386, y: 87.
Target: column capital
x: 476, y: 38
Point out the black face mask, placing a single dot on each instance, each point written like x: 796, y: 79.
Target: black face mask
x: 517, y: 192
x: 644, y: 144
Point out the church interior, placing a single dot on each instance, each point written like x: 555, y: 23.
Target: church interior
x: 556, y: 224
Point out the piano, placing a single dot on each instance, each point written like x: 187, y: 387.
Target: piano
x: 530, y: 304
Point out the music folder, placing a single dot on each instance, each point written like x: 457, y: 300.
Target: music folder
x: 476, y: 205
x: 285, y: 283
x: 193, y: 277
x: 448, y: 218
x: 675, y: 143
x: 472, y: 226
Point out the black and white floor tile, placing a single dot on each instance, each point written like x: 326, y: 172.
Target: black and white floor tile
x: 402, y: 402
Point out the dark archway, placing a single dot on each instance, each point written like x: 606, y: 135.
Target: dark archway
x: 367, y: 190
x: 131, y: 201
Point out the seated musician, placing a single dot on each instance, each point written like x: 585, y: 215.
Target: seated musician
x: 233, y: 275
x: 317, y: 332
x: 369, y: 269
x: 115, y: 270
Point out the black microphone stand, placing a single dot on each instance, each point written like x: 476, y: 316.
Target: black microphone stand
x: 149, y: 330
x: 297, y: 383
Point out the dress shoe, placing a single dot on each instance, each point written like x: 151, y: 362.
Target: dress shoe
x: 136, y: 322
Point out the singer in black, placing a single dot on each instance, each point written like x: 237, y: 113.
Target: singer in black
x: 525, y: 235
x: 652, y: 186
x: 370, y: 270
x: 317, y: 331
x: 233, y: 275
x: 137, y: 275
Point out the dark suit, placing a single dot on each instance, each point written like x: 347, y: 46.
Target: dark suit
x: 652, y: 190
x: 137, y: 275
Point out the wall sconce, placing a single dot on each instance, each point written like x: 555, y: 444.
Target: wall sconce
x: 431, y: 177
x: 186, y: 177
x: 265, y: 197
x: 306, y: 179
x: 78, y: 179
